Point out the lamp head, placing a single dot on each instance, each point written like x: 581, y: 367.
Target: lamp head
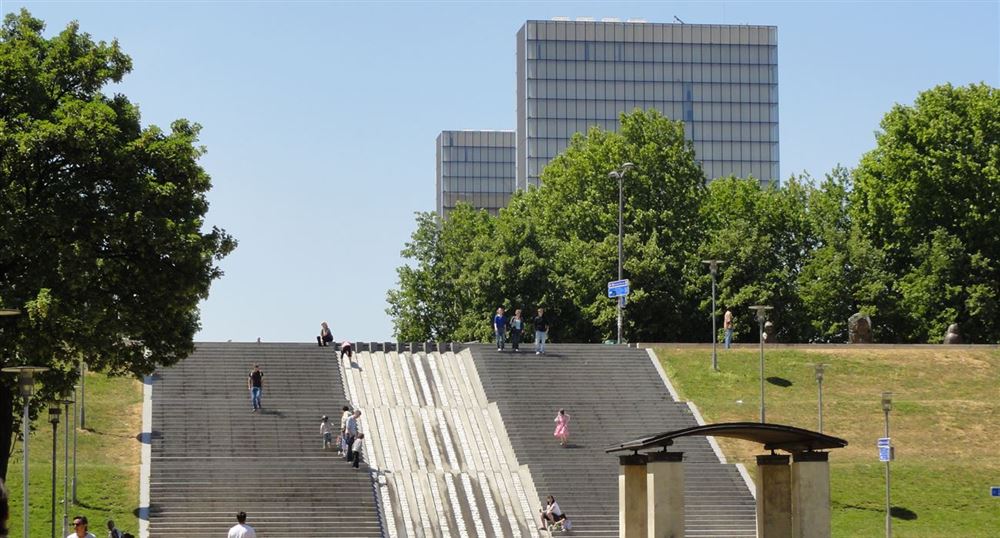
x: 54, y: 411
x: 713, y: 265
x: 819, y: 372
x: 887, y: 401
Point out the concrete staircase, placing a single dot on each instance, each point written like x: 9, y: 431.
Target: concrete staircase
x: 212, y: 457
x: 445, y: 467
x: 613, y: 394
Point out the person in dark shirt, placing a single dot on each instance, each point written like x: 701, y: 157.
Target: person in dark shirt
x: 255, y: 384
x: 541, y: 324
x: 500, y: 328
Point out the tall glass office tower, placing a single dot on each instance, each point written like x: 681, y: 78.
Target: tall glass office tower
x: 721, y: 80
x: 476, y: 167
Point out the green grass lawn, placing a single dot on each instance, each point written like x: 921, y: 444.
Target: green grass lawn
x: 945, y: 424
x: 108, y: 456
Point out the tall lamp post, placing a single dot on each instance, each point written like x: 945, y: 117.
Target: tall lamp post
x: 76, y: 390
x: 713, y: 267
x: 26, y: 382
x: 54, y: 412
x: 886, y: 407
x: 620, y: 176
x: 67, y: 399
x: 819, y: 384
x: 761, y: 311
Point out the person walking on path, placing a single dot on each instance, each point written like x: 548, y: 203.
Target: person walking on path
x: 516, y: 327
x: 541, y: 324
x: 727, y: 324
x: 356, y: 450
x: 241, y: 529
x: 326, y: 430
x: 500, y: 328
x: 255, y: 384
x: 80, y: 528
x: 325, y: 335
x: 351, y: 431
x: 562, y: 427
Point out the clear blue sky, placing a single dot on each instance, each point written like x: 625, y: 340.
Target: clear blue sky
x: 320, y: 117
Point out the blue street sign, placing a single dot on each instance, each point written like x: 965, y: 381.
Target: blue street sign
x: 884, y: 453
x: 995, y: 491
x: 618, y: 288
x: 884, y: 441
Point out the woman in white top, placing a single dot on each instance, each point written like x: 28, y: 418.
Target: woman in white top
x: 551, y: 514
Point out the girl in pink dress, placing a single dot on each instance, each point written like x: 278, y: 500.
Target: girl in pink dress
x: 562, y: 427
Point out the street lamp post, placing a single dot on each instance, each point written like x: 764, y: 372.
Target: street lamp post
x: 76, y: 391
x: 67, y: 399
x: 620, y: 176
x: 819, y: 384
x: 26, y: 382
x: 761, y: 311
x: 54, y: 412
x: 713, y: 267
x: 886, y: 407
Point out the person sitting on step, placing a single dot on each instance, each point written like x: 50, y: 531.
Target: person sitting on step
x: 552, y: 515
x: 325, y: 335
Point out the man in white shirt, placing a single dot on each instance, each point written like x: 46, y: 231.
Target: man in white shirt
x: 80, y: 528
x: 241, y: 529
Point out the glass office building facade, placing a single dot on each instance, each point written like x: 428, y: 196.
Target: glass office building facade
x: 721, y: 80
x: 476, y: 167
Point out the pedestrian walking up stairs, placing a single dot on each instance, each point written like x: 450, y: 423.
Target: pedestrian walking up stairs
x: 439, y: 448
x: 211, y: 457
x: 613, y: 394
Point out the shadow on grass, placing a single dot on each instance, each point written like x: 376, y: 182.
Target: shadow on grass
x: 898, y: 512
x: 779, y: 381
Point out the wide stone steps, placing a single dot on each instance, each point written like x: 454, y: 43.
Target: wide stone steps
x: 613, y: 394
x: 439, y: 447
x: 212, y: 457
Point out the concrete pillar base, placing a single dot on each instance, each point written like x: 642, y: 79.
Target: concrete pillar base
x: 774, y: 497
x: 811, y: 495
x: 665, y: 495
x: 632, y: 496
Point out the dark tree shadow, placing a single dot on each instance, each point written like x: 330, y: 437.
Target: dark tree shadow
x: 905, y: 514
x: 272, y: 412
x: 779, y: 381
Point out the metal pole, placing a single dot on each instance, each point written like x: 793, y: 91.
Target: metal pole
x: 760, y: 322
x: 55, y: 437
x: 820, y: 382
x: 66, y: 471
x: 888, y: 497
x: 715, y: 353
x: 74, y: 447
x: 25, y: 430
x: 83, y: 398
x: 621, y: 209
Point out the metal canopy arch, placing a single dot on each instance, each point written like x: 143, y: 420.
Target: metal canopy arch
x: 772, y: 436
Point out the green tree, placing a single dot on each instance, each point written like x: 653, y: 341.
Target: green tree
x: 102, y: 233
x: 930, y: 189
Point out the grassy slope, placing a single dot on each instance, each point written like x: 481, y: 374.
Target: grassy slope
x: 944, y: 424
x: 107, y: 463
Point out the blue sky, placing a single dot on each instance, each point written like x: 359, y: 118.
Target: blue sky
x: 320, y: 117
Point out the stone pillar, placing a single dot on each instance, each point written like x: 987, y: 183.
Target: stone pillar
x: 811, y: 495
x: 774, y: 497
x: 665, y: 495
x: 632, y: 496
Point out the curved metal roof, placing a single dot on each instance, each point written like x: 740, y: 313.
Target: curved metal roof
x: 772, y: 436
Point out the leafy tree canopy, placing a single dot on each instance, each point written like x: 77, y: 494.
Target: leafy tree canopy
x: 103, y: 242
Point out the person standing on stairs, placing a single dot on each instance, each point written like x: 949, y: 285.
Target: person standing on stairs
x: 562, y: 427
x: 345, y: 349
x: 326, y: 430
x: 241, y: 529
x: 325, y: 335
x: 343, y: 429
x: 255, y: 384
x: 351, y: 431
x: 541, y: 324
x: 516, y: 327
x: 500, y: 328
x: 356, y: 450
